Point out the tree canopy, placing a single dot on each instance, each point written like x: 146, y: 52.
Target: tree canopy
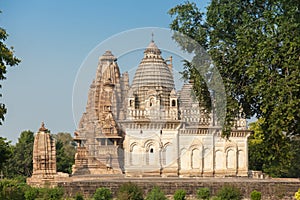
x: 255, y: 46
x: 5, y: 152
x: 7, y: 58
x: 20, y: 163
x: 65, y: 152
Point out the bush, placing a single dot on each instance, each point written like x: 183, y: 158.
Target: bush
x: 203, y: 193
x: 103, y: 194
x: 297, y: 195
x: 31, y: 193
x: 229, y: 193
x: 156, y: 194
x: 53, y: 193
x: 12, y: 189
x: 255, y: 195
x: 179, y: 194
x: 79, y: 196
x: 130, y: 191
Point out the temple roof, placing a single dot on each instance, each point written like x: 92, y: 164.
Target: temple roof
x: 153, y: 70
x: 152, y: 48
x: 108, y: 56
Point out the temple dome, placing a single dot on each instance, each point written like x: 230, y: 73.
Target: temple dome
x: 153, y: 70
x: 153, y: 74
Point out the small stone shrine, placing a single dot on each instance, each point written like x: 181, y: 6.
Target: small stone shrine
x: 44, y: 160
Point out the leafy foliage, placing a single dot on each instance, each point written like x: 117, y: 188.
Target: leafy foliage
x: 5, y: 152
x: 216, y: 198
x: 130, y: 191
x: 203, y: 193
x: 20, y: 163
x: 280, y: 159
x: 297, y: 195
x: 180, y: 194
x: 55, y: 193
x: 79, y: 196
x: 65, y: 152
x: 256, y: 146
x: 50, y: 193
x: 12, y: 189
x: 156, y: 194
x: 7, y: 58
x: 229, y: 193
x: 255, y: 195
x: 103, y: 194
x: 255, y: 47
x: 31, y: 193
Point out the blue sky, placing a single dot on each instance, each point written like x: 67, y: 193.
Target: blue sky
x: 53, y: 38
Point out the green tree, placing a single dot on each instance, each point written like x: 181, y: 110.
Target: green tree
x: 286, y: 149
x: 254, y: 45
x: 65, y: 152
x: 294, y: 170
x: 7, y: 58
x: 5, y: 152
x: 20, y: 163
x: 256, y: 147
x: 156, y: 194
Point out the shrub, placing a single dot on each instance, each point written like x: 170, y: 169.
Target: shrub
x: 297, y: 195
x: 229, y: 193
x: 255, y: 195
x: 179, y: 194
x: 79, y: 196
x: 53, y: 193
x: 203, y: 193
x: 156, y: 194
x: 103, y: 194
x: 12, y: 189
x: 31, y: 193
x: 130, y: 191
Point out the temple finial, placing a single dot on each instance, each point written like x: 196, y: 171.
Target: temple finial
x: 152, y: 36
x: 43, y: 127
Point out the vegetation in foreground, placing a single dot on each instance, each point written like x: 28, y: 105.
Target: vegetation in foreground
x: 18, y: 189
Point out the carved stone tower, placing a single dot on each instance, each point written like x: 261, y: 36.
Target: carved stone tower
x: 98, y: 135
x: 44, y: 154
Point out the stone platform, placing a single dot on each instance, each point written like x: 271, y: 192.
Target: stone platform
x: 270, y: 188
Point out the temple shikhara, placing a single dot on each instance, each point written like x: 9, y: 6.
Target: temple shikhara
x: 148, y: 128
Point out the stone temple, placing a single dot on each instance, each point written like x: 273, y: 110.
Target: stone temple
x: 150, y: 129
